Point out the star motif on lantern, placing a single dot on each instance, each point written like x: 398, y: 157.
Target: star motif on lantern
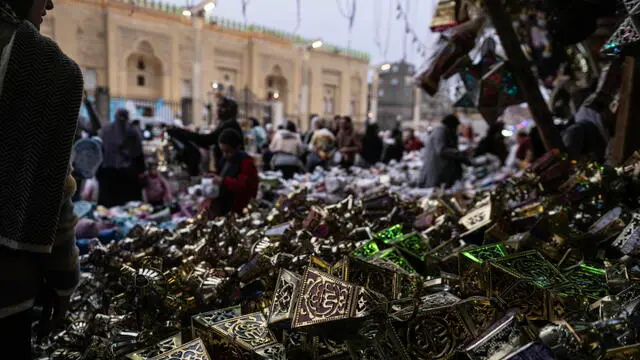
x: 627, y: 35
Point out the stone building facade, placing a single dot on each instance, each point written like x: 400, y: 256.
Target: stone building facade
x: 146, y: 52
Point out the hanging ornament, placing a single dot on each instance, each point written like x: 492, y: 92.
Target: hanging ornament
x: 498, y: 90
x: 444, y: 16
x: 627, y: 37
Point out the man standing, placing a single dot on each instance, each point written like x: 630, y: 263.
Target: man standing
x: 227, y: 117
x: 442, y: 159
x: 40, y: 96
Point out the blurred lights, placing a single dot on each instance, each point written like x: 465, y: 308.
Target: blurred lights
x: 209, y: 6
x: 507, y: 133
x: 385, y: 67
x: 186, y: 12
x: 317, y: 44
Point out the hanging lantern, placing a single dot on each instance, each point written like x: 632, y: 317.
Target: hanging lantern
x: 627, y: 37
x: 444, y: 16
x: 498, y: 90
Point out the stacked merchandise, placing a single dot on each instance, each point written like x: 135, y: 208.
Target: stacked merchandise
x: 544, y: 266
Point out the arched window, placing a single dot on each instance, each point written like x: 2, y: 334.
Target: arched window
x: 141, y: 66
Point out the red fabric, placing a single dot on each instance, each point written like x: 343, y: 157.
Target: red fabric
x: 413, y: 144
x: 244, y: 186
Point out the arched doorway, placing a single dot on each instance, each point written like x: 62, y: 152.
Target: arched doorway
x: 277, y: 86
x: 144, y: 73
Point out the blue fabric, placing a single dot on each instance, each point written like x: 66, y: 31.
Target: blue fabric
x: 83, y: 209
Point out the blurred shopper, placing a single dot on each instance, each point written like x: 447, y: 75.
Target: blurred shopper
x: 594, y: 123
x: 442, y: 159
x: 238, y: 178
x: 123, y: 163
x: 260, y: 134
x: 321, y: 145
x: 493, y: 143
x: 287, y: 148
x: 157, y: 190
x: 371, y: 152
x: 227, y: 117
x: 348, y: 143
x: 393, y: 147
x: 40, y: 97
x: 335, y: 125
x: 412, y: 143
x: 521, y: 152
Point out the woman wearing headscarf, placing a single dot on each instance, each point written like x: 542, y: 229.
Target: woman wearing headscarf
x: 40, y: 96
x: 371, y: 152
x: 123, y: 162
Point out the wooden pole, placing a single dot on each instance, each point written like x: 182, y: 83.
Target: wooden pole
x: 627, y: 124
x: 522, y: 71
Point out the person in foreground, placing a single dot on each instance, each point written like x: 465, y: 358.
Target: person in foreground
x: 238, y: 178
x: 40, y: 96
x: 442, y: 159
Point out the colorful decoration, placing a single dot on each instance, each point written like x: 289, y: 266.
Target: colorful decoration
x: 498, y: 90
x: 627, y: 36
x: 445, y: 16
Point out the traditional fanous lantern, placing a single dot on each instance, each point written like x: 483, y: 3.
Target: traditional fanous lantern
x: 627, y: 37
x: 445, y: 16
x: 471, y: 74
x: 498, y: 90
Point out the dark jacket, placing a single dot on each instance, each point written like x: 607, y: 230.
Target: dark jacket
x: 39, y: 105
x: 209, y: 140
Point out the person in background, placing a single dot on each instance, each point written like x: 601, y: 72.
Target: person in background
x: 238, y: 178
x: 520, y: 152
x: 348, y: 142
x: 227, y: 117
x: 393, y: 147
x: 40, y: 96
x: 442, y: 159
x: 123, y: 162
x: 260, y: 134
x: 336, y: 124
x: 267, y: 155
x: 287, y: 148
x: 524, y: 147
x: 493, y: 143
x: 412, y: 143
x: 136, y: 125
x: 315, y: 126
x: 322, y: 145
x: 371, y: 152
x: 537, y: 145
x: 313, y: 119
x: 157, y: 191
x: 595, y: 121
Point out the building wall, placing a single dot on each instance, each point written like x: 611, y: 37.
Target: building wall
x: 147, y: 54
